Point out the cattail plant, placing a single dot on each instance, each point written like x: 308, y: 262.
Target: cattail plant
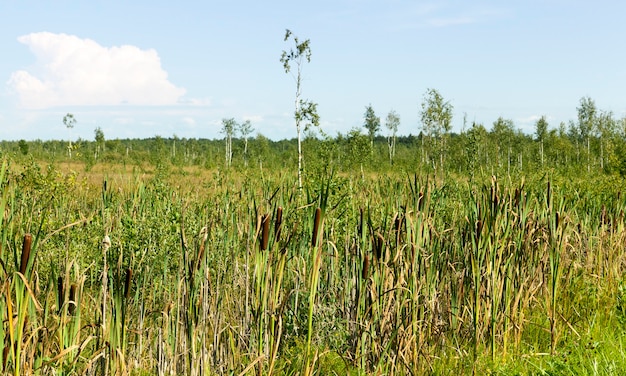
x: 106, y: 244
x: 398, y: 226
x: 556, y: 244
x: 5, y: 356
x: 366, y: 267
x: 60, y: 293
x: 21, y: 304
x: 476, y: 264
x: 26, y: 248
x: 379, y: 246
x: 265, y: 231
x: 278, y: 224
x: 318, y: 223
x: 72, y: 300
x: 316, y: 227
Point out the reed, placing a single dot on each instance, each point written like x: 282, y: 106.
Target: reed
x: 384, y: 275
x: 278, y: 224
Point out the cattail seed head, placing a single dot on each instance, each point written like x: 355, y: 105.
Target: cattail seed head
x: 557, y: 219
x: 366, y: 267
x: 549, y: 195
x: 265, y: 231
x: 5, y: 356
x: 360, y: 225
x: 60, y: 293
x: 397, y: 222
x: 26, y: 247
x: 316, y: 226
x: 397, y: 226
x: 379, y: 245
x: 278, y: 223
x: 71, y: 308
x: 494, y: 203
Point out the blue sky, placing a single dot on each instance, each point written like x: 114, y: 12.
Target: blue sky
x: 146, y: 68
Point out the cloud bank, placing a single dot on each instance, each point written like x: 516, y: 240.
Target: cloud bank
x: 74, y: 71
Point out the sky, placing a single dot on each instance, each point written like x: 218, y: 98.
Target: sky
x: 139, y: 69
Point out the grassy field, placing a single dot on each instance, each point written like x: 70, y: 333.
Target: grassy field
x: 142, y: 271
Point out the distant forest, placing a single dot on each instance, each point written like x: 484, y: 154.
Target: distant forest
x: 593, y: 143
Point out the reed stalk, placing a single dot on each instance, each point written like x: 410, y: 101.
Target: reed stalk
x: 316, y: 257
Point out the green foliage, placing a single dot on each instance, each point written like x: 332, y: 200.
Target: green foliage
x: 408, y: 273
x: 620, y: 306
x: 23, y: 145
x: 69, y: 121
x: 392, y: 122
x: 371, y: 122
x: 357, y: 149
x: 436, y: 119
x: 436, y: 114
x: 541, y: 128
x: 302, y: 51
x: 599, y: 146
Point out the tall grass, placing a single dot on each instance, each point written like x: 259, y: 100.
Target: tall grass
x: 371, y: 275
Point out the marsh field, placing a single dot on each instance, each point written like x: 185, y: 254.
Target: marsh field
x: 130, y: 269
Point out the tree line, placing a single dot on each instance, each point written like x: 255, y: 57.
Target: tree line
x: 595, y: 142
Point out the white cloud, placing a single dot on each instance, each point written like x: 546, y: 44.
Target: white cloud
x: 75, y: 71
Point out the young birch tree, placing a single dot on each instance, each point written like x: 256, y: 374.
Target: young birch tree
x: 587, y: 123
x: 372, y: 124
x: 99, y: 136
x: 228, y: 128
x: 503, y: 132
x: 541, y: 130
x: 392, y: 122
x: 245, y: 129
x: 436, y: 117
x: 305, y: 110
x: 606, y: 129
x: 69, y: 120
